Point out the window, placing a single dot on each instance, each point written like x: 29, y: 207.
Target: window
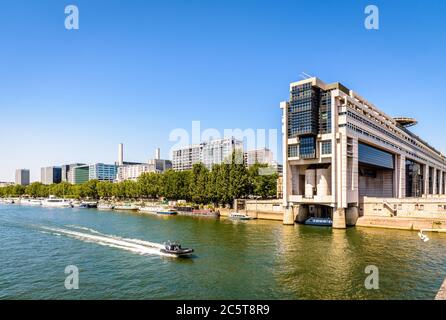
x: 307, y: 147
x: 326, y: 147
x: 293, y: 151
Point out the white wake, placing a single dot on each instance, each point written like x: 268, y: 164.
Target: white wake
x: 133, y: 245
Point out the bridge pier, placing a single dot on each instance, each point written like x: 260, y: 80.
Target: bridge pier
x: 339, y: 219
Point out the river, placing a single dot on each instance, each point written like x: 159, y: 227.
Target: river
x: 233, y: 260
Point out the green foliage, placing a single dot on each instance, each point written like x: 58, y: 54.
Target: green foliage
x: 221, y: 185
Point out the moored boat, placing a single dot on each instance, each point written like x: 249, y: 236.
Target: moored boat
x: 53, y: 202
x: 157, y: 210
x: 30, y: 202
x: 239, y: 216
x: 323, y: 222
x: 105, y: 206
x: 126, y: 206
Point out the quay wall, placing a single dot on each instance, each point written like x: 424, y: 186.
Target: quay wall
x: 427, y: 213
x: 441, y: 295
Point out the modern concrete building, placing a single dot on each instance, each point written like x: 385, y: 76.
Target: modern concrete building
x: 50, y: 175
x: 131, y: 171
x: 102, y: 172
x: 339, y: 148
x: 209, y: 153
x: 22, y: 177
x: 184, y: 158
x: 67, y: 171
x: 80, y: 174
x: 262, y: 155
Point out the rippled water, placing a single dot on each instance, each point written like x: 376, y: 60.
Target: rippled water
x: 233, y: 260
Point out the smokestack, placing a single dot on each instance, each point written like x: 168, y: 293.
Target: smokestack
x: 157, y: 153
x: 120, y: 154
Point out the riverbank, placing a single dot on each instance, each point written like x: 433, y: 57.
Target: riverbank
x: 403, y: 223
x: 441, y: 295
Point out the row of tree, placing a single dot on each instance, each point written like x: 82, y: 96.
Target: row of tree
x: 220, y: 185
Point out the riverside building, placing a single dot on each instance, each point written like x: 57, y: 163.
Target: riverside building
x: 209, y: 153
x: 338, y: 148
x: 50, y: 175
x: 22, y: 177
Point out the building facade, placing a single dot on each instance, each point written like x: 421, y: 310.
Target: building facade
x: 102, y: 172
x: 22, y: 177
x: 339, y: 148
x: 66, y: 169
x: 50, y: 175
x: 80, y: 174
x: 263, y: 156
x: 209, y: 153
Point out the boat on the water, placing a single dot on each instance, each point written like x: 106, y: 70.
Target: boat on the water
x: 106, y: 206
x: 191, y: 211
x: 30, y: 202
x: 239, y: 216
x: 89, y: 204
x: 157, y: 210
x: 323, y: 222
x: 126, y: 206
x: 174, y: 248
x: 54, y: 202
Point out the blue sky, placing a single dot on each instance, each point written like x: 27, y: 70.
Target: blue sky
x: 136, y: 70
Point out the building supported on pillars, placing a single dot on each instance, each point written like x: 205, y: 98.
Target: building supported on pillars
x: 339, y: 149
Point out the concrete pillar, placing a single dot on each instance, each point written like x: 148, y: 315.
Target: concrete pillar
x: 339, y: 219
x: 440, y: 182
x: 426, y: 180
x: 302, y: 213
x: 399, y: 181
x: 310, y: 182
x: 351, y: 215
x: 294, y: 180
x: 322, y: 180
x: 288, y: 216
x: 434, y: 181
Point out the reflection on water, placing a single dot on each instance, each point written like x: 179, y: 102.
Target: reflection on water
x: 233, y: 260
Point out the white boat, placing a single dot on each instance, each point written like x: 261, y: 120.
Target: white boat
x: 126, y: 206
x: 8, y: 201
x: 106, y: 206
x: 157, y: 210
x: 30, y: 202
x: 53, y: 202
x: 239, y: 216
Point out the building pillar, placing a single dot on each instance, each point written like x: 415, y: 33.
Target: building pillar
x: 399, y: 182
x: 434, y: 181
x: 426, y: 180
x: 339, y: 219
x: 440, y: 182
x: 288, y: 216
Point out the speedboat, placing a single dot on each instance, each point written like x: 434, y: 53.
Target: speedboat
x: 239, y: 216
x: 323, y: 222
x: 89, y: 204
x: 174, y: 248
x: 53, y: 202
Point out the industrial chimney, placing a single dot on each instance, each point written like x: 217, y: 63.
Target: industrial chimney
x: 121, y: 154
x: 157, y: 153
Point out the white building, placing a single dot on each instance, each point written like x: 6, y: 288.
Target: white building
x: 22, y: 177
x: 209, y: 153
x: 263, y: 156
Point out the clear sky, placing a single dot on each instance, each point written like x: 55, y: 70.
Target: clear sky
x: 136, y: 70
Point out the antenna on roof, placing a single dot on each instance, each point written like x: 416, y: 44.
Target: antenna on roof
x: 304, y: 75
